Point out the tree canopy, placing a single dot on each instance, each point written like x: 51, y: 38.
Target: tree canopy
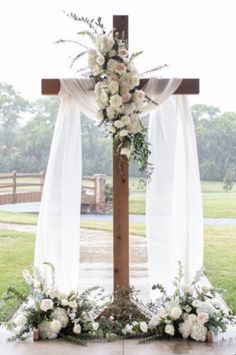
x: 26, y: 130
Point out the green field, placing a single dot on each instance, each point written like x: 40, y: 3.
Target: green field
x: 16, y: 253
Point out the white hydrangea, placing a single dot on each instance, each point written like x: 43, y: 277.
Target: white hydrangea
x: 143, y: 327
x: 154, y: 321
x: 169, y: 329
x: 60, y: 314
x: 55, y: 325
x: 185, y: 328
x: 46, y: 331
x: 20, y: 320
x: 196, y: 303
x: 199, y: 332
x: 104, y: 44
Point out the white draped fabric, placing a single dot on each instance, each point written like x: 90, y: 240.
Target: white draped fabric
x: 174, y: 220
x: 173, y: 203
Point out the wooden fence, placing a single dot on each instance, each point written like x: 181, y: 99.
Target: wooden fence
x: 19, y: 188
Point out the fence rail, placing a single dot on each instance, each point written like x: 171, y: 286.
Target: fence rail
x: 16, y: 189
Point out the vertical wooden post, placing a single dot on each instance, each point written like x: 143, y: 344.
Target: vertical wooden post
x: 14, y: 187
x: 121, y: 199
x: 42, y: 177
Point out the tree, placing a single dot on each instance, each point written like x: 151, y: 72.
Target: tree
x: 13, y: 109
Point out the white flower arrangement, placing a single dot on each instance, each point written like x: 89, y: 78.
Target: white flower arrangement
x: 117, y: 90
x: 191, y: 312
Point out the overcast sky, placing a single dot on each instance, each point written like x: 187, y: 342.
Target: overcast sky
x: 195, y: 37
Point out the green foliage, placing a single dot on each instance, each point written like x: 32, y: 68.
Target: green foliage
x: 216, y: 137
x: 228, y: 180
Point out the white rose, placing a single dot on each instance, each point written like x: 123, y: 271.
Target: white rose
x: 139, y: 96
x: 134, y: 127
x: 199, y: 332
x: 126, y: 152
x: 98, y: 87
x: 64, y: 302
x: 95, y: 326
x: 202, y: 317
x: 96, y: 69
x: 112, y: 53
x: 123, y: 52
x: 118, y: 124
x: 100, y: 115
x: 111, y: 65
x: 103, y: 97
x: 113, y: 77
x: 127, y: 329
x: 20, y: 320
x: 73, y: 304
x: 162, y: 313
x: 169, y: 329
x: 77, y: 329
x: 125, y: 119
x: 176, y: 312
x: 46, y: 304
x: 143, y: 327
x: 110, y: 113
x: 112, y: 129
x: 129, y: 109
x: 113, y: 87
x: 120, y: 68
x: 154, y: 321
x: 126, y: 97
x: 100, y: 60
x: 55, y: 325
x: 123, y: 133
x: 116, y: 101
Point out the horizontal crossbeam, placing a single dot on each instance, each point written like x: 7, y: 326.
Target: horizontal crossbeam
x: 189, y: 86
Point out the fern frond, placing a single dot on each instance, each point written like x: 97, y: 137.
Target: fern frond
x: 154, y: 69
x: 71, y: 41
x: 77, y: 57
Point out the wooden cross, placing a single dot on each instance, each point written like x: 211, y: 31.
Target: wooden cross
x: 121, y: 182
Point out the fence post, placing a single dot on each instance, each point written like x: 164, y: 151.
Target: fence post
x: 100, y: 198
x: 42, y: 178
x: 14, y: 187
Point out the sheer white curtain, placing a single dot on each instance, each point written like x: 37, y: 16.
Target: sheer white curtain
x: 58, y: 231
x: 173, y: 204
x: 173, y: 197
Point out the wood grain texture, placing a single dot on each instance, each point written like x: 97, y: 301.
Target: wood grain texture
x: 188, y: 86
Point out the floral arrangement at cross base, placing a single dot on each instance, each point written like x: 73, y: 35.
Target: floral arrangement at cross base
x: 117, y: 89
x: 189, y: 313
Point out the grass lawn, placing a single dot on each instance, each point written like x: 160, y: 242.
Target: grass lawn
x: 16, y: 253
